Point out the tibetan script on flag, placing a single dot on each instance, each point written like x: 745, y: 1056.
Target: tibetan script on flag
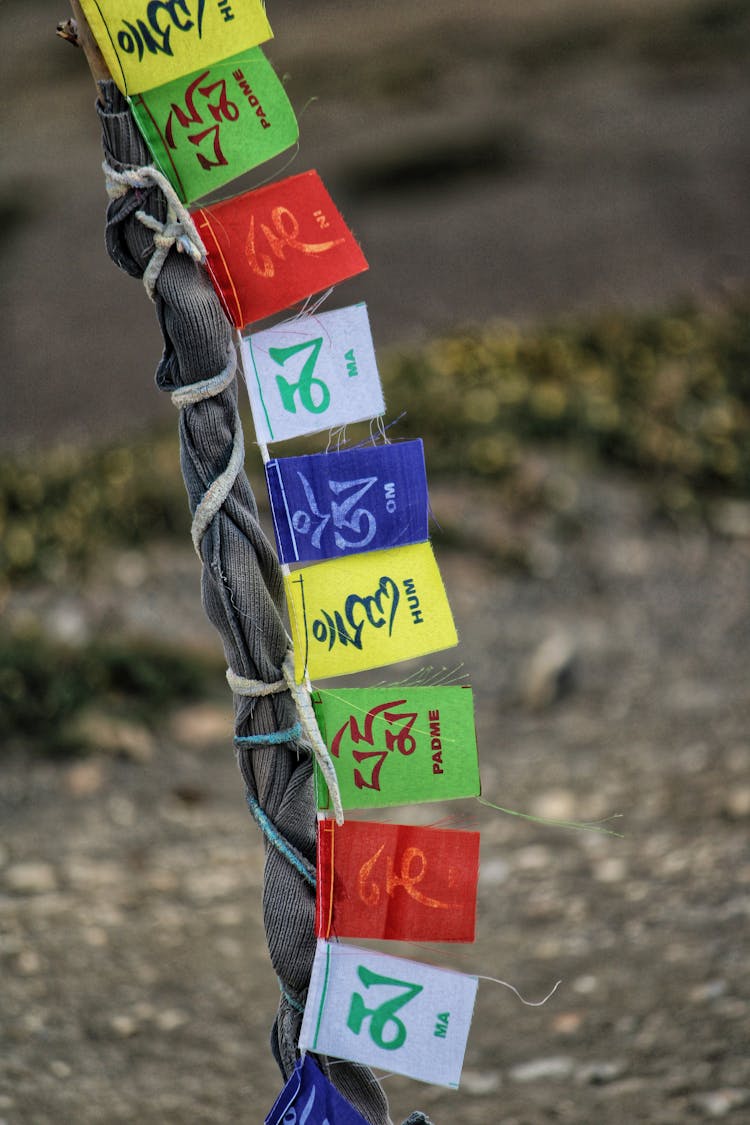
x: 146, y: 43
x: 274, y: 246
x: 312, y: 373
x: 215, y: 124
x: 364, y: 611
x: 401, y: 1016
x: 310, y: 1099
x: 396, y: 882
x: 329, y: 504
x: 398, y: 745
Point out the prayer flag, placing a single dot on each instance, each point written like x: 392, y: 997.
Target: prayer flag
x: 329, y: 504
x: 146, y: 43
x: 364, y: 611
x: 396, y: 882
x: 310, y: 1099
x: 398, y: 745
x: 214, y: 124
x: 312, y: 373
x: 401, y: 1016
x: 274, y: 246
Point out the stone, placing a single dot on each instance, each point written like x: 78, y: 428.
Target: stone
x: 28, y: 962
x: 203, y: 724
x: 602, y: 1072
x: 550, y: 673
x: 171, y: 1019
x: 731, y: 518
x: 493, y: 872
x: 84, y: 779
x: 31, y: 878
x: 610, y: 870
x: 100, y: 731
x: 537, y: 1070
x: 567, y: 1023
x: 719, y: 1103
x: 737, y: 802
x: 554, y: 804
x: 479, y: 1082
x: 123, y: 1025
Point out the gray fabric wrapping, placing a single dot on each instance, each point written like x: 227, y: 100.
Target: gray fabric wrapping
x: 242, y: 594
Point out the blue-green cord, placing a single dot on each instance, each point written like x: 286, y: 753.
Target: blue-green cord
x: 275, y: 738
x: 290, y: 999
x: 274, y: 836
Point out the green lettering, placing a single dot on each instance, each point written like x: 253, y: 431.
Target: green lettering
x: 385, y: 1013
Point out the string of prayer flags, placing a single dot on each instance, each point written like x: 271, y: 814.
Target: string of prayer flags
x: 312, y: 373
x: 402, y: 1016
x: 367, y: 499
x: 396, y: 882
x: 214, y: 124
x: 269, y: 248
x: 364, y: 611
x: 146, y: 43
x: 399, y: 745
x: 310, y: 1099
x: 367, y: 591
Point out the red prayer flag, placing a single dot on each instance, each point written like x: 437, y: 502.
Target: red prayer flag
x: 272, y: 247
x: 396, y: 882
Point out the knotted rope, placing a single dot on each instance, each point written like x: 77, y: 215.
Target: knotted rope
x: 179, y: 230
x: 242, y: 589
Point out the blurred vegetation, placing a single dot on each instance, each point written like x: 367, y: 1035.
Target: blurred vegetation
x: 49, y: 689
x: 60, y: 507
x: 694, y: 40
x: 667, y: 396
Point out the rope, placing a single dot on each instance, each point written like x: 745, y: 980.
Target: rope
x: 273, y: 738
x: 206, y: 388
x: 253, y: 689
x: 298, y: 862
x: 179, y: 230
x: 241, y: 581
x: 307, y: 723
x: 310, y: 729
x: 214, y: 497
x: 217, y: 493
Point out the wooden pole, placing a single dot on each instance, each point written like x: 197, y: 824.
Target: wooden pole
x: 78, y: 32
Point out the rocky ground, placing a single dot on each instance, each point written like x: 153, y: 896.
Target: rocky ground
x: 590, y: 157
x: 610, y: 681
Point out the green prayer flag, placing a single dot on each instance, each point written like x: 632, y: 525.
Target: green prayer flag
x: 398, y: 745
x: 213, y: 125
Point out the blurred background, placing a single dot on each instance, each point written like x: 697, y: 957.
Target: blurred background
x: 553, y: 198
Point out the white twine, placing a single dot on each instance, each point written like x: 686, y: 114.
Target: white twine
x: 217, y: 492
x: 179, y: 230
x: 306, y: 715
x: 206, y: 388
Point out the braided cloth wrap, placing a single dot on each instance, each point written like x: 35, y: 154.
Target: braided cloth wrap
x: 242, y: 589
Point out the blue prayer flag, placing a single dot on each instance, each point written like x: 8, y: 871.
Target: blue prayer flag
x: 309, y: 1098
x: 326, y: 505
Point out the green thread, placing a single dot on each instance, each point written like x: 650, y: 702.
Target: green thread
x: 582, y: 826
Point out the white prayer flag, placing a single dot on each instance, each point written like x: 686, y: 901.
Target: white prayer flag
x: 312, y: 373
x: 387, y: 1012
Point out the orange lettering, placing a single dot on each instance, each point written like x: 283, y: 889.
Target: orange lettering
x: 407, y: 879
x: 283, y: 235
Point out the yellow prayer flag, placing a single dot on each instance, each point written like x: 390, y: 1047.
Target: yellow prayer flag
x: 364, y: 611
x: 147, y: 43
